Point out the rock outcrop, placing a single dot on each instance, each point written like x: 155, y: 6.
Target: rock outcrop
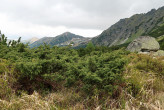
x: 146, y: 45
x: 143, y: 44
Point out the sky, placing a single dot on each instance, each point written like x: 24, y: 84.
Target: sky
x: 40, y: 18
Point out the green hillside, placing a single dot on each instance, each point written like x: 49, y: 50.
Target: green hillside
x: 161, y: 42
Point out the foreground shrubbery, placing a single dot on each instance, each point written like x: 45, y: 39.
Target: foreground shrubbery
x: 94, y: 77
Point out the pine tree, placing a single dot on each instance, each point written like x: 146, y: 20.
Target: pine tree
x: 19, y: 40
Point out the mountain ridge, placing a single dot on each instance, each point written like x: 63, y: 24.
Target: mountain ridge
x: 63, y: 39
x: 126, y: 30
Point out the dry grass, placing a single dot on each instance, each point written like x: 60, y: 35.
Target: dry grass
x: 52, y: 101
x: 26, y: 102
x: 150, y: 85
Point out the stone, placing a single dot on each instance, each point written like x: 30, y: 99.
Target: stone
x: 159, y: 53
x: 143, y: 44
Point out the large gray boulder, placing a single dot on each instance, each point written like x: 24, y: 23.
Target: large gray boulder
x: 143, y: 44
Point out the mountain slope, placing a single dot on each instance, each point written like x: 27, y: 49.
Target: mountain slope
x: 61, y: 40
x: 161, y: 42
x: 41, y: 41
x: 30, y: 41
x: 126, y: 30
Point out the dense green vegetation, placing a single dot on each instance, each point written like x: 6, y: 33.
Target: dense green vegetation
x: 92, y: 68
x: 84, y: 78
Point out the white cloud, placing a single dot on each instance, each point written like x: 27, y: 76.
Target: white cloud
x: 39, y: 18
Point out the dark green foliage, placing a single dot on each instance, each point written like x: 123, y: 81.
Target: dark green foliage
x: 161, y: 42
x: 3, y: 40
x: 29, y: 69
x: 21, y: 47
x: 90, y: 47
x: 92, y: 65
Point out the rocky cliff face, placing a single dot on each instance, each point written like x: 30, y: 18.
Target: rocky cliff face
x: 128, y: 29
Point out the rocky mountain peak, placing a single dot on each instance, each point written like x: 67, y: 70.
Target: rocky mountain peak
x: 67, y: 33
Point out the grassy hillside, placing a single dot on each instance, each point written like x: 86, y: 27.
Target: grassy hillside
x: 158, y: 33
x: 161, y: 42
x: 86, y: 78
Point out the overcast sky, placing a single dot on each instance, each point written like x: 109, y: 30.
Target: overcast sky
x: 39, y: 18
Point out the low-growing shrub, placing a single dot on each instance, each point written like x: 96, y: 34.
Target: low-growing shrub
x: 95, y: 71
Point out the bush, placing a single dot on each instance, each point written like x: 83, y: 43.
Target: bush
x: 95, y: 67
x: 7, y: 79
